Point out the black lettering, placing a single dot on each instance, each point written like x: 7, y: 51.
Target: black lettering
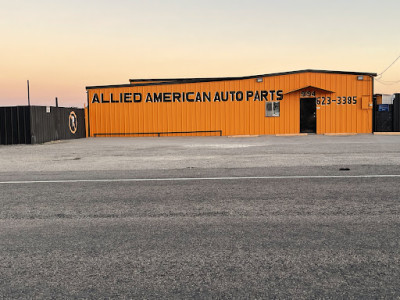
x: 149, y: 98
x: 103, y: 100
x: 176, y: 97
x: 224, y: 94
x: 232, y: 95
x: 257, y: 96
x: 112, y: 98
x: 167, y: 97
x: 280, y: 95
x: 137, y: 97
x: 272, y: 93
x: 206, y: 96
x: 121, y: 97
x: 127, y: 97
x: 239, y: 96
x: 264, y: 95
x: 217, y: 97
x: 249, y: 94
x: 95, y: 98
x: 157, y: 97
x: 189, y: 99
x: 198, y: 97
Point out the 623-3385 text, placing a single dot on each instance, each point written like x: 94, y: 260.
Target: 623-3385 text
x: 338, y: 100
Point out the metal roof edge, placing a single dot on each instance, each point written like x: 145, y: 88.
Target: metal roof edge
x: 255, y: 76
x: 108, y: 86
x: 154, y: 81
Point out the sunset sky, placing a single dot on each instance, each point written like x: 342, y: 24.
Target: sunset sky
x: 64, y: 46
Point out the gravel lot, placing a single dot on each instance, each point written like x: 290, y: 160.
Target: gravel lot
x: 105, y: 154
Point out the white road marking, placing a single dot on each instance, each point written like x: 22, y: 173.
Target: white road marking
x: 197, y: 179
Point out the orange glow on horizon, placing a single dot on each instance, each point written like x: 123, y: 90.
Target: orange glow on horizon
x: 64, y: 46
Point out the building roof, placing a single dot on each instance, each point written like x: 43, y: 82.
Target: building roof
x: 164, y: 81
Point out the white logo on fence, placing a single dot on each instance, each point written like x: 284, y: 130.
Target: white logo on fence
x: 73, y: 122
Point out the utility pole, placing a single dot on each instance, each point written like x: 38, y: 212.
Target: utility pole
x: 56, y: 102
x: 29, y: 100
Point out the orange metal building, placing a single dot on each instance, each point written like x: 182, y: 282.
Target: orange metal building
x: 306, y: 101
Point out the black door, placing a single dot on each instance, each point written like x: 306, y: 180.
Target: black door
x: 308, y: 120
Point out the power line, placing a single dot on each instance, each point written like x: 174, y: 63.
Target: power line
x: 380, y: 74
x: 387, y: 82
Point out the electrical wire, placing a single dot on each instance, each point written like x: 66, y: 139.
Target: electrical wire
x: 387, y: 82
x: 380, y: 74
x: 384, y: 82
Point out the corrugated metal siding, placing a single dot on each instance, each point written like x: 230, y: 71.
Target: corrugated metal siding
x: 15, y: 125
x: 32, y: 124
x: 234, y: 117
x: 54, y: 125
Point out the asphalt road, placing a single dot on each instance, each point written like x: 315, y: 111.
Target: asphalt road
x: 224, y: 225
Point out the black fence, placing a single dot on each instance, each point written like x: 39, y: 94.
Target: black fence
x: 396, y: 113
x: 387, y: 116
x: 40, y: 124
x: 15, y: 125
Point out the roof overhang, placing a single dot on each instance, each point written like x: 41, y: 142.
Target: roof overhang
x: 309, y: 88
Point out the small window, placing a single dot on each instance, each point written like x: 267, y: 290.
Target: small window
x: 272, y: 109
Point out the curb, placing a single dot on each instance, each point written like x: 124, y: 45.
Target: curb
x: 292, y: 134
x: 242, y: 136
x: 386, y: 133
x: 340, y: 134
